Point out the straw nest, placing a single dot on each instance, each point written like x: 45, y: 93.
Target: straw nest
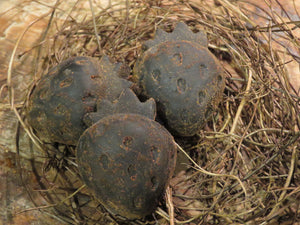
x: 242, y: 168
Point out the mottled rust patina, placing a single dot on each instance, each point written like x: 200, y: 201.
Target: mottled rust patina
x: 183, y: 76
x: 71, y: 89
x: 128, y: 102
x: 126, y: 160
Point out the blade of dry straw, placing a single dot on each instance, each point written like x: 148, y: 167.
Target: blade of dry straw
x: 213, y: 174
x: 9, y: 79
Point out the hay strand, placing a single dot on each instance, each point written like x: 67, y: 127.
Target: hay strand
x: 243, y: 166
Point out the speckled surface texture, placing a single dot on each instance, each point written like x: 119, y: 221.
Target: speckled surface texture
x: 71, y: 89
x: 15, y: 16
x: 127, y: 160
x: 183, y: 76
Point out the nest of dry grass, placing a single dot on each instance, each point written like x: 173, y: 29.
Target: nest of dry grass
x: 242, y: 167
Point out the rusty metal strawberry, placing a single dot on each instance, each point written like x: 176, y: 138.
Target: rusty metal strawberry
x: 126, y: 160
x: 71, y: 89
x: 183, y: 76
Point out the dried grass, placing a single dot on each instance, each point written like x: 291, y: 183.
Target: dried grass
x: 243, y: 165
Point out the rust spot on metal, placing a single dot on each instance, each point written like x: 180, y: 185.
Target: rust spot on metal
x: 181, y: 85
x: 103, y: 159
x: 133, y: 178
x: 156, y: 75
x: 66, y: 82
x: 201, y: 97
x: 177, y: 58
x: 127, y: 141
x: 154, y: 182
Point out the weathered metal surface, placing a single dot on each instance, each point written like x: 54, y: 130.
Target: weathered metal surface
x: 183, y: 76
x: 70, y: 90
x: 127, y: 161
x: 128, y: 102
x: 19, y: 15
